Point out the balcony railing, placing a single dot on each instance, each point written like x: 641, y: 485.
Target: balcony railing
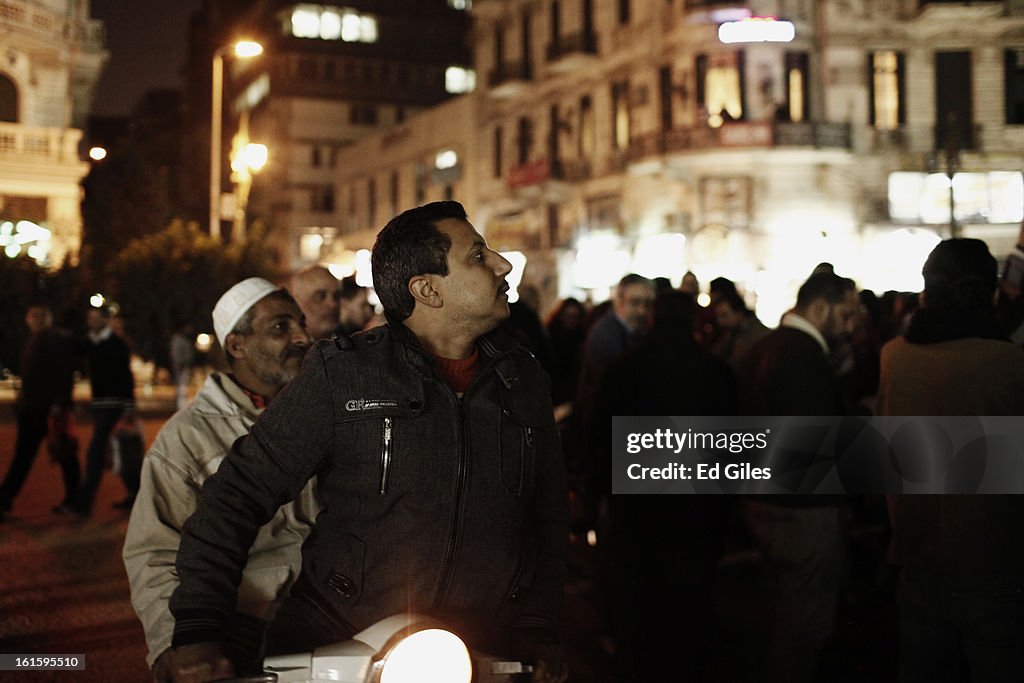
x: 52, y: 144
x: 583, y: 42
x: 741, y: 135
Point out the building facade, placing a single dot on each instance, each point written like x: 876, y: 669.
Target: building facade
x: 53, y: 53
x: 752, y: 140
x: 329, y: 75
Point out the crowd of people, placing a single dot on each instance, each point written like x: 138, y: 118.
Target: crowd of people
x: 345, y: 466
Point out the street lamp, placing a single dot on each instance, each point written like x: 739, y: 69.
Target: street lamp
x: 247, y: 158
x: 243, y: 49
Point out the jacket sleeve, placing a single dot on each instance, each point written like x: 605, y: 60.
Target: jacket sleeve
x: 543, y: 602
x: 263, y: 470
x: 167, y: 496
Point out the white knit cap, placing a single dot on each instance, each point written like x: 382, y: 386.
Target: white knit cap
x: 235, y: 302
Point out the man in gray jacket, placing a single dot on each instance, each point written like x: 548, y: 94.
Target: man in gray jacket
x: 261, y: 329
x: 438, y: 466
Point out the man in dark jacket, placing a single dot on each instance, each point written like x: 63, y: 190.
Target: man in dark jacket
x: 47, y: 366
x: 438, y: 465
x: 661, y: 587
x: 800, y: 537
x: 113, y: 393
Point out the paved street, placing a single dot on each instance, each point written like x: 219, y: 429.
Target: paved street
x: 64, y: 589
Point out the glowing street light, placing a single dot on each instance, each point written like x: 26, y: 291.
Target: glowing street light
x: 243, y: 49
x: 97, y: 153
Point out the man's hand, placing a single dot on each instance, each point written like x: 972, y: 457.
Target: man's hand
x: 162, y: 667
x: 540, y: 648
x: 550, y: 672
x: 200, y: 662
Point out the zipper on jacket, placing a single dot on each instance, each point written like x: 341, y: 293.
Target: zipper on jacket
x: 449, y: 555
x: 385, y: 457
x: 528, y: 436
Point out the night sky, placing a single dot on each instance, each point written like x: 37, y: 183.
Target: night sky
x: 147, y: 41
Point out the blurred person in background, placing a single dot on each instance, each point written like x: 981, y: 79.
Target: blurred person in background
x: 739, y: 329
x: 113, y: 394
x: 961, y: 588
x: 801, y: 537
x: 316, y: 292
x: 43, y: 405
x: 183, y: 358
x: 354, y: 309
x: 617, y: 331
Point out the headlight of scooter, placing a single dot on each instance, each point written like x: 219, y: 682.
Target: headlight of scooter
x: 429, y: 656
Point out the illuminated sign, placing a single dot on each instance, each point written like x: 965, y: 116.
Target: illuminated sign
x: 757, y: 30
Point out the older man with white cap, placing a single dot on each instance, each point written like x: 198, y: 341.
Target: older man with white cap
x: 262, y: 331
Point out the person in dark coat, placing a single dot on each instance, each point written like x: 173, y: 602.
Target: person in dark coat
x: 660, y: 584
x: 113, y: 393
x: 47, y: 369
x: 801, y: 538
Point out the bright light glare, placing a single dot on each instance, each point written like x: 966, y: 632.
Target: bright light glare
x: 255, y: 156
x: 757, y: 30
x: 203, y: 342
x: 431, y: 656
x: 12, y: 250
x: 248, y: 48
x: 330, y: 25
x: 364, y: 276
x: 97, y: 153
x: 518, y: 261
x: 97, y: 300
x: 305, y: 23
x: 459, y: 80
x: 446, y: 159
x: 351, y: 28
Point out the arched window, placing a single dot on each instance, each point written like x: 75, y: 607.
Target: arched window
x: 8, y: 100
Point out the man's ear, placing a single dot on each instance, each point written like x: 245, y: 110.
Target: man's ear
x: 423, y: 291
x: 234, y: 346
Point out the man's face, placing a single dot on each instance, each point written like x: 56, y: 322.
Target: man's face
x: 475, y: 292
x: 841, y: 318
x: 357, y: 310
x: 316, y: 291
x: 274, y: 350
x: 726, y: 317
x: 633, y: 304
x: 95, y: 320
x: 38, y: 319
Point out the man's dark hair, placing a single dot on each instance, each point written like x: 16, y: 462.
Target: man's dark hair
x: 734, y: 301
x: 721, y: 285
x: 633, y: 279
x: 673, y: 310
x: 828, y: 286
x: 960, y: 275
x: 410, y: 245
x: 348, y: 288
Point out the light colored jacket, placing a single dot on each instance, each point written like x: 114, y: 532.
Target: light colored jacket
x: 188, y: 449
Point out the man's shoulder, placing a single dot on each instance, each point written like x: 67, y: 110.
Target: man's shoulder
x: 351, y: 347
x: 203, y: 431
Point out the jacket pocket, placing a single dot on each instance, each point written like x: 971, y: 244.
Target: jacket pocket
x: 340, y: 569
x: 518, y: 446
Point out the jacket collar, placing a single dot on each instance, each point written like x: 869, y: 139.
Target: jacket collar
x: 493, y: 346
x: 222, y: 396
x: 798, y: 322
